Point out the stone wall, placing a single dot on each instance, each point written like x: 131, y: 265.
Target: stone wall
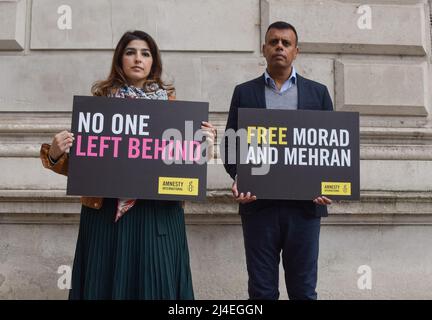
x: 373, y: 55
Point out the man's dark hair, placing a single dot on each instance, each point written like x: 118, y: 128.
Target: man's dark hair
x: 283, y: 25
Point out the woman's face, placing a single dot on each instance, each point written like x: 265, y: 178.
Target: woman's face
x: 137, y: 62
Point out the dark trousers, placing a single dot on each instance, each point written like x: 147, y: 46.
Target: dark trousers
x: 287, y: 230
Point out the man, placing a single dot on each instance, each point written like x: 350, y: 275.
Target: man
x: 272, y: 227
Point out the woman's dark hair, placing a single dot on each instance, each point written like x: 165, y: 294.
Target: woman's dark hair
x: 117, y: 78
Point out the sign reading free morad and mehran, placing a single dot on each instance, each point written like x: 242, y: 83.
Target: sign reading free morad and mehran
x: 299, y: 154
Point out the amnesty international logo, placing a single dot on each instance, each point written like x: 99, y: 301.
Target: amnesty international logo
x: 178, y: 186
x: 336, y: 188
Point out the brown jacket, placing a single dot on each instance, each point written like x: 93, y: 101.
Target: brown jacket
x: 61, y: 167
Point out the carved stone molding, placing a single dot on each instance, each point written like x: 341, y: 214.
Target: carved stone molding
x: 375, y: 208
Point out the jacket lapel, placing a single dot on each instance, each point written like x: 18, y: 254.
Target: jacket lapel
x: 300, y: 92
x: 260, y: 92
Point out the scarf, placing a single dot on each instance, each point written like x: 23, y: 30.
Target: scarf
x: 150, y: 91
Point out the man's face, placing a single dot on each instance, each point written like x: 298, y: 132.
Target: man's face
x: 280, y: 48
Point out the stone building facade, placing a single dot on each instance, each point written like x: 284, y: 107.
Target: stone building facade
x: 373, y: 55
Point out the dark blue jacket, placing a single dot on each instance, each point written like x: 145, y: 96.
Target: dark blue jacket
x: 311, y: 96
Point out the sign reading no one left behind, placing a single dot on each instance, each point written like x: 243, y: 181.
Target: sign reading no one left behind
x: 299, y: 155
x: 122, y: 149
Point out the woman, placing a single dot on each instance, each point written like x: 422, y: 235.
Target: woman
x: 127, y: 248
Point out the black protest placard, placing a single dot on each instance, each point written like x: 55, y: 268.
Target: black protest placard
x: 138, y: 148
x: 298, y: 155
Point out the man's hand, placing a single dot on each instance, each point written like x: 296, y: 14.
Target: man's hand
x: 322, y: 201
x: 241, y: 198
x: 62, y: 141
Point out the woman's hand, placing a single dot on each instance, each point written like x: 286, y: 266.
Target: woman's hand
x: 209, y: 131
x: 62, y: 141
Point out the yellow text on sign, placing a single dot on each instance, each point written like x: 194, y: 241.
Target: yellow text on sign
x: 336, y: 188
x: 263, y: 135
x: 178, y: 186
